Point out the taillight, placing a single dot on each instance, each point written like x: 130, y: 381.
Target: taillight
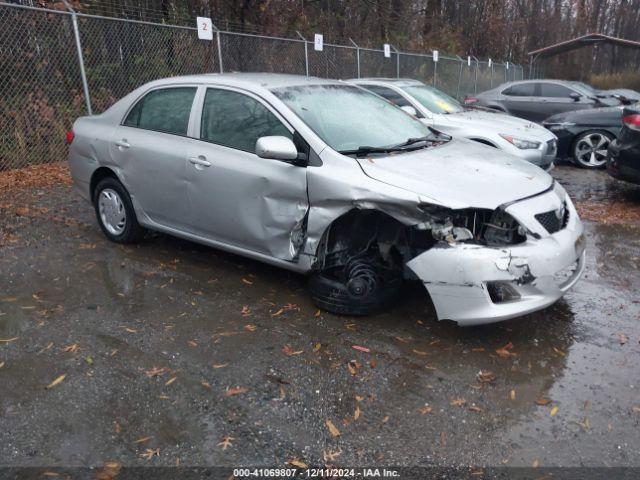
x: 632, y: 121
x: 470, y: 100
x: 70, y: 137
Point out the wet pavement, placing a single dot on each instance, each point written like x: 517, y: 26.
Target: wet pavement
x: 194, y: 356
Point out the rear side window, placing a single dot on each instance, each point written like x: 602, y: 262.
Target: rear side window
x: 389, y: 94
x: 163, y: 110
x: 521, y: 90
x: 236, y: 120
x: 554, y: 90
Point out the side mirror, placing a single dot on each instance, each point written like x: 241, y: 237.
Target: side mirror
x: 276, y: 148
x: 575, y: 95
x: 410, y: 110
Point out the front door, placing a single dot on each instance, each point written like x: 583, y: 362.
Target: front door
x: 235, y: 196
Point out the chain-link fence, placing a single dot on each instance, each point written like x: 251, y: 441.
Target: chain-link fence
x: 57, y: 65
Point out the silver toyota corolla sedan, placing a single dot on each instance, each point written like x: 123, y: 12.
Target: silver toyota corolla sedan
x: 325, y: 178
x: 516, y: 136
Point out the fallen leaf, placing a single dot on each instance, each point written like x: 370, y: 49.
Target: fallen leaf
x: 289, y: 352
x: 332, y: 428
x: 247, y: 282
x: 72, y: 348
x: 246, y: 311
x: 425, y: 410
x: 361, y: 349
x: 297, y: 463
x: 206, y: 385
x: 386, y: 419
x: 1, y: 364
x: 505, y: 352
x: 543, y: 401
x: 170, y: 381
x: 149, y: 454
x: 142, y: 440
x: 226, y: 442
x: 250, y: 328
x: 458, y: 402
x: 220, y: 365
x: 512, y: 395
x: 554, y: 411
x: 486, y: 377
x: 235, y: 391
x: 420, y: 352
x: 356, y: 415
x: 331, y: 456
x: 559, y: 352
x: 476, y: 409
x: 130, y: 330
x: 317, y: 314
x: 192, y: 343
x: 109, y: 471
x: 57, y: 381
x: 536, y: 463
x: 636, y: 409
x: 9, y: 340
x: 359, y: 398
x: 156, y: 372
x: 317, y: 347
x: 278, y: 313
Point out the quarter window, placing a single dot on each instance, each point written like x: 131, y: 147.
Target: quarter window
x: 163, y: 110
x: 236, y: 120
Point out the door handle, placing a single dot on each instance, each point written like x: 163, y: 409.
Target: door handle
x: 123, y: 143
x: 200, y: 161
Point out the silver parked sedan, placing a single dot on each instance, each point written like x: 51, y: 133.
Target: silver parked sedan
x: 516, y: 136
x: 324, y: 178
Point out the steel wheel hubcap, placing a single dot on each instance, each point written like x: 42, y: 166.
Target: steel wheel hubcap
x: 592, y: 150
x: 112, y: 212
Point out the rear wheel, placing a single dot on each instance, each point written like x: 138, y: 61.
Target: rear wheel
x: 590, y: 149
x: 115, y: 212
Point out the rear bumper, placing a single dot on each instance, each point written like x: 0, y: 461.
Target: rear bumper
x: 623, y: 162
x: 458, y: 277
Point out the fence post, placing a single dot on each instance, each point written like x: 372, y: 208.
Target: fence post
x: 219, y: 49
x: 83, y: 73
x: 357, y: 54
x: 475, y: 80
x: 397, y: 60
x: 491, y: 78
x: 306, y: 53
x: 459, y: 76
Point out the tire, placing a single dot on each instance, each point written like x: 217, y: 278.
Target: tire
x: 589, y: 149
x: 115, y: 213
x: 333, y: 295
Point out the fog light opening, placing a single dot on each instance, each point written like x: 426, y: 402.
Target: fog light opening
x: 501, y: 292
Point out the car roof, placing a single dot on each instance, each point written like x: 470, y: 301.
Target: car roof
x: 398, y: 82
x: 263, y: 80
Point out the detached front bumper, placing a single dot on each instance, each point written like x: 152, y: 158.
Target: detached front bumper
x: 462, y: 278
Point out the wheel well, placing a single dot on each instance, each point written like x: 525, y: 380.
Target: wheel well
x: 593, y: 130
x: 483, y: 141
x: 99, y: 174
x: 361, y: 230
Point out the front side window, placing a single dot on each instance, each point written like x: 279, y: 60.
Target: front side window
x: 520, y: 90
x: 236, y: 120
x: 163, y: 110
x: 347, y: 117
x: 433, y: 99
x: 554, y: 90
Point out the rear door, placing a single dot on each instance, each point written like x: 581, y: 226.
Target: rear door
x: 520, y: 100
x: 235, y: 196
x: 150, y: 147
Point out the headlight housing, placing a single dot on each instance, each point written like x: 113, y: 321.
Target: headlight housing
x: 521, y: 143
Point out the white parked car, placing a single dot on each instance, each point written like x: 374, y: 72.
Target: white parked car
x: 327, y: 179
x: 522, y: 138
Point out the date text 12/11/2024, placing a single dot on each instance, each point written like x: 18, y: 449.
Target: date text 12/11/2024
x: 315, y: 473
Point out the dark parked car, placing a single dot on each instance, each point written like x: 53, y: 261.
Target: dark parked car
x: 624, y: 153
x: 536, y: 100
x: 585, y: 135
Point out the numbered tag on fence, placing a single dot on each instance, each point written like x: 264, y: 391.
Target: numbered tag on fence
x: 435, y: 55
x: 387, y: 50
x: 318, y: 42
x: 205, y: 28
x: 468, y: 61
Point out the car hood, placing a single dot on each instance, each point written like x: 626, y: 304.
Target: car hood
x: 583, y: 116
x: 460, y: 174
x: 476, y: 121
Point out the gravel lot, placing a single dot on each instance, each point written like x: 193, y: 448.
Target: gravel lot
x: 172, y: 353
